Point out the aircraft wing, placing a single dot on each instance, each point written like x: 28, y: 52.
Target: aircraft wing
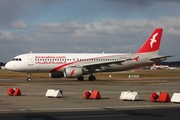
x: 97, y: 65
x: 161, y: 58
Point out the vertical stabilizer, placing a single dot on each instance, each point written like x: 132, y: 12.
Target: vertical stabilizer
x: 152, y: 44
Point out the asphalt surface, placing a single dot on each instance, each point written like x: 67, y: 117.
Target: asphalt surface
x: 33, y: 105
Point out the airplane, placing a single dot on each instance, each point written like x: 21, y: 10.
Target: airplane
x: 159, y: 67
x: 75, y: 65
x: 162, y: 67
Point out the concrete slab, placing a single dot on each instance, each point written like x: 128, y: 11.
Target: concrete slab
x: 33, y: 96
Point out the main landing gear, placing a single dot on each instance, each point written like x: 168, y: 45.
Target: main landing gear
x: 91, y: 78
x: 81, y: 78
x: 29, y: 77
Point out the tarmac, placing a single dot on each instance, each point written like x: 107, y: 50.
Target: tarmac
x: 33, y: 104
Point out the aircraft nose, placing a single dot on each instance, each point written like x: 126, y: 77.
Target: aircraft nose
x: 12, y: 66
x: 8, y: 66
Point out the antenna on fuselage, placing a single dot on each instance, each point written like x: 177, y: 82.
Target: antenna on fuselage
x: 30, y: 52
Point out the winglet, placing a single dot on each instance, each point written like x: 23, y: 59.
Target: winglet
x: 152, y: 44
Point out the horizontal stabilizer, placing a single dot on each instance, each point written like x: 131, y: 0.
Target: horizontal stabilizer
x: 160, y: 58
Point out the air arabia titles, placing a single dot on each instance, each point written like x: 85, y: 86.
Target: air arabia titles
x: 49, y: 59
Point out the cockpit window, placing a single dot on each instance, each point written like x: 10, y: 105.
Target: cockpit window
x: 16, y: 59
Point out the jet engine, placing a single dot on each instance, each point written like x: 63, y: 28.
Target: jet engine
x: 56, y: 75
x: 73, y: 72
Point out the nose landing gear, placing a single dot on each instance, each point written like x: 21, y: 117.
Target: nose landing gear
x: 29, y: 77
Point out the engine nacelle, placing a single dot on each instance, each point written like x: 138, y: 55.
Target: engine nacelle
x: 73, y: 72
x: 56, y: 75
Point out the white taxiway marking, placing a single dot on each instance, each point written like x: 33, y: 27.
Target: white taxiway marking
x: 6, y: 79
x: 93, y: 116
x: 92, y: 108
x: 115, y: 107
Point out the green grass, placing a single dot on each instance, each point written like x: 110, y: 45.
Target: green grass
x: 115, y: 75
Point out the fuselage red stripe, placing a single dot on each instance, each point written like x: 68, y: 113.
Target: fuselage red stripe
x: 60, y: 67
x: 64, y: 65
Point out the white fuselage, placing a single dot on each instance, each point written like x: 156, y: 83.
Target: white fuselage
x: 53, y: 62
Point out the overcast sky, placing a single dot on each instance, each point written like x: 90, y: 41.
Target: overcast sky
x: 84, y: 26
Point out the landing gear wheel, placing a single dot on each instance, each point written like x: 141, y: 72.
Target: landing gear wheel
x: 92, y: 78
x: 81, y: 78
x: 29, y: 79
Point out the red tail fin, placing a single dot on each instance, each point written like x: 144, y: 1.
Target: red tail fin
x: 153, y: 42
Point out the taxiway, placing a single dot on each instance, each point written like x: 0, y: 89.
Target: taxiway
x: 33, y: 104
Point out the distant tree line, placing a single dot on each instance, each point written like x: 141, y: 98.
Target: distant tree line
x: 170, y: 64
x: 2, y: 64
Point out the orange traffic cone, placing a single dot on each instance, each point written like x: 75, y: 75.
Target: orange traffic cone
x: 154, y: 96
x: 164, y: 97
x: 95, y: 94
x: 160, y: 97
x: 17, y: 92
x: 87, y: 94
x: 10, y: 91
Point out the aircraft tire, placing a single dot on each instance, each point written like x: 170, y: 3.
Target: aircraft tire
x: 29, y: 79
x: 92, y: 78
x: 81, y: 78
